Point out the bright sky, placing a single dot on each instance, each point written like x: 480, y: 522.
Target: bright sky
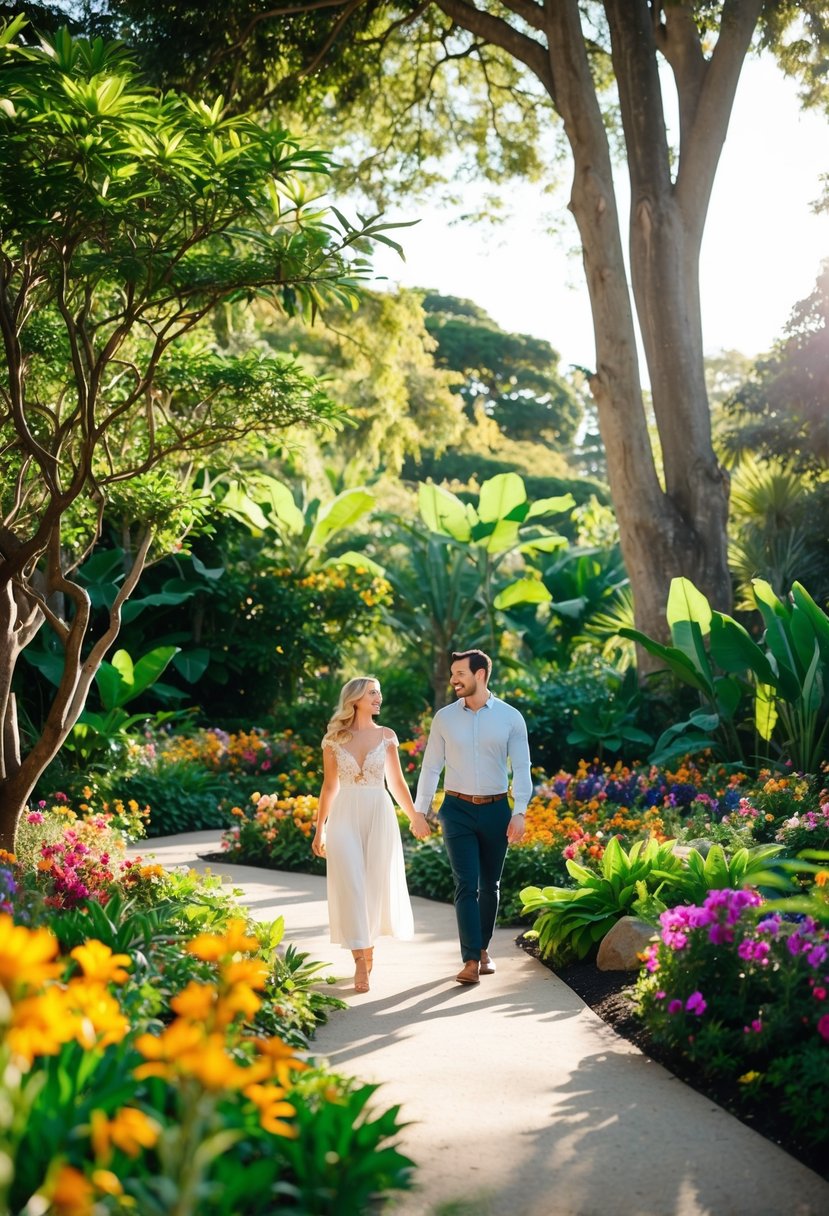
x: 761, y: 254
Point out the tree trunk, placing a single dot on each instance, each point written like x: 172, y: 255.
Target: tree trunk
x: 678, y: 528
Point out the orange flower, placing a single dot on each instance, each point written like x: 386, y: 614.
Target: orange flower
x: 196, y: 1001
x: 129, y: 1130
x: 71, y: 1193
x: 272, y: 1109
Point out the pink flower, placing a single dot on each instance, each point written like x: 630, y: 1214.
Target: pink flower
x: 755, y: 1027
x: 674, y: 1006
x: 823, y: 1027
x: 34, y: 817
x: 819, y: 994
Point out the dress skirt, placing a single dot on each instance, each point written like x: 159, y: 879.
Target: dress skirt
x: 367, y: 893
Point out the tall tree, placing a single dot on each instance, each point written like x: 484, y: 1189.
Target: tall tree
x: 514, y: 378
x: 126, y: 216
x: 566, y: 57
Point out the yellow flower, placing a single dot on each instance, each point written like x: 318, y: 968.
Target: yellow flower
x: 87, y: 791
x: 106, y: 1182
x: 207, y: 946
x: 26, y: 955
x: 99, y: 964
x: 41, y: 1024
x: 749, y: 1077
x: 237, y: 938
x: 101, y: 1021
x: 129, y: 1129
x: 71, y: 1193
x: 238, y: 999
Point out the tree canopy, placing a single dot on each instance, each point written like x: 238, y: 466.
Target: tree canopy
x: 126, y: 217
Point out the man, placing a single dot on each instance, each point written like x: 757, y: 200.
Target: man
x: 474, y: 739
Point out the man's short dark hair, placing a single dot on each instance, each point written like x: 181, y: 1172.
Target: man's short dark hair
x: 478, y: 661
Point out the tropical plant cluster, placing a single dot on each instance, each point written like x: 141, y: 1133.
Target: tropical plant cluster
x: 154, y: 1038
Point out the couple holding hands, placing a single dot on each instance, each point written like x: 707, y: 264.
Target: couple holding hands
x: 476, y: 741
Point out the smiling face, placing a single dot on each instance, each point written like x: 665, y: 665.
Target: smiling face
x: 465, y: 683
x: 371, y: 700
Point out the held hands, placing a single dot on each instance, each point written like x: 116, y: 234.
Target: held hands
x: 419, y: 825
x: 515, y: 829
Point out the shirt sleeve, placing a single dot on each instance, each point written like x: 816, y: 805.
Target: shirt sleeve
x: 434, y: 759
x: 518, y: 750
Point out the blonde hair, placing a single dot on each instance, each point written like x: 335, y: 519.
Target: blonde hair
x: 342, y: 719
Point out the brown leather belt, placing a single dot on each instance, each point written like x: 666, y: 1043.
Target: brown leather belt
x: 478, y: 799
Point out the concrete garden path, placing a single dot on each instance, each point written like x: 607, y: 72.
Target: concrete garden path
x: 520, y: 1101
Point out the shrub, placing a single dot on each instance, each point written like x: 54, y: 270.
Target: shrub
x: 745, y: 998
x: 277, y: 833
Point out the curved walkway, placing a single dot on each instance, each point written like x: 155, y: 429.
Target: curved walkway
x: 520, y: 1100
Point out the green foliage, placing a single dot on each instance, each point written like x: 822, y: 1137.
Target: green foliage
x: 450, y: 580
x: 779, y: 410
x: 182, y: 797
x: 345, y: 1156
x: 127, y: 216
x: 746, y: 867
x: 573, y: 712
x: 788, y: 675
x: 380, y: 364
x: 513, y: 378
x: 571, y: 922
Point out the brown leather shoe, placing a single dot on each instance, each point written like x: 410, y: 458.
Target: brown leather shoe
x: 468, y: 973
x: 487, y: 966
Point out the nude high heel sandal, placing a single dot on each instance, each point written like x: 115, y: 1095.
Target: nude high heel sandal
x: 361, y: 970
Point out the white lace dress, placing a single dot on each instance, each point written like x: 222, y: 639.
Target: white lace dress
x: 367, y: 893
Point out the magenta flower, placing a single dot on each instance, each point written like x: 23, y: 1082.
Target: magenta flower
x: 676, y: 1007
x: 34, y: 817
x: 696, y: 1004
x: 823, y: 1027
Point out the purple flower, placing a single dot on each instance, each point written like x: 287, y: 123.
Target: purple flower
x: 696, y: 1004
x: 816, y: 956
x: 675, y: 1006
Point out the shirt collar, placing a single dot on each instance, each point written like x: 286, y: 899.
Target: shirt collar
x: 486, y: 705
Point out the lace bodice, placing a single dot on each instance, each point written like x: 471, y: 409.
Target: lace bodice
x: 374, y: 765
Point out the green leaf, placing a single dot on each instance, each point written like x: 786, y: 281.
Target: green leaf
x: 499, y: 496
x: 765, y: 711
x: 341, y: 512
x: 674, y: 659
x: 443, y: 512
x: 522, y: 591
x: 686, y: 603
x: 734, y: 650
x: 358, y: 561
x: 551, y: 506
x: 192, y: 664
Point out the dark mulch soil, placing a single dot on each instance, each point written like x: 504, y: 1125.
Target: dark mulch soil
x: 607, y: 994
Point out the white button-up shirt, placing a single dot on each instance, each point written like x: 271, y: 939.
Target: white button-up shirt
x: 475, y: 747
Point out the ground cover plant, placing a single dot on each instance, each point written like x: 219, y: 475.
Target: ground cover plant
x: 147, y: 1028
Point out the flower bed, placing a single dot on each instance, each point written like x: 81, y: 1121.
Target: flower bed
x: 154, y: 1047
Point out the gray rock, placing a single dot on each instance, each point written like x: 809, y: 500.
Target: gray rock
x: 621, y: 946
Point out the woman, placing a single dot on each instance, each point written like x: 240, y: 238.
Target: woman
x: 357, y: 830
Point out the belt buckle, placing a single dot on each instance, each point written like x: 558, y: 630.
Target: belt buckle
x: 478, y: 799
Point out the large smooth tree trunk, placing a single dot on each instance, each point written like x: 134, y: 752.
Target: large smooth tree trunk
x: 674, y: 524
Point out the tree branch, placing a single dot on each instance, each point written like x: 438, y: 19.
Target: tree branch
x: 700, y: 152
x: 499, y: 32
